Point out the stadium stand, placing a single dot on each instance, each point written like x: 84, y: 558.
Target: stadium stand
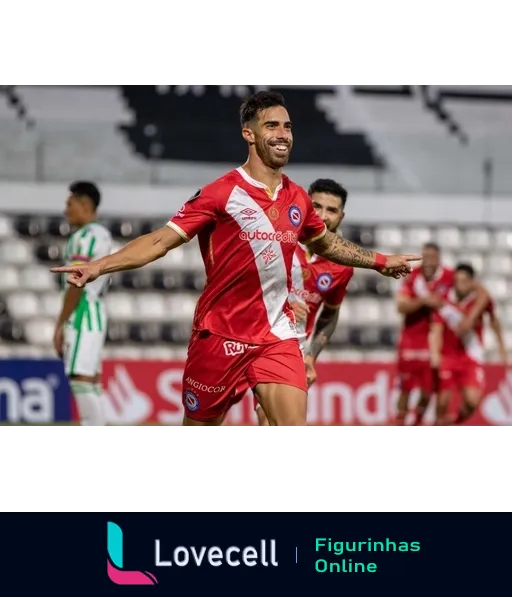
x: 446, y: 139
x: 117, y: 134
x: 181, y: 122
x: 424, y: 138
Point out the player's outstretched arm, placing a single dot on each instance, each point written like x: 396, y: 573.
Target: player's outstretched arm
x: 324, y: 329
x: 134, y: 255
x: 342, y: 251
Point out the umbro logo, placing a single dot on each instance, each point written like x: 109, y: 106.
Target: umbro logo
x: 249, y: 214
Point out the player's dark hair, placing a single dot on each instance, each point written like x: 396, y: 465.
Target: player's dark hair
x: 330, y: 187
x: 86, y: 189
x: 433, y: 246
x: 467, y: 269
x: 263, y: 100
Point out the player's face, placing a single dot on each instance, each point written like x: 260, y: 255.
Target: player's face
x: 464, y: 284
x: 329, y: 208
x: 272, y: 137
x: 431, y: 262
x: 75, y: 211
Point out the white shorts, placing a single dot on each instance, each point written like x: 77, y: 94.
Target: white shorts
x: 82, y: 351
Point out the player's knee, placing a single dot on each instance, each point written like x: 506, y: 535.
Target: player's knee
x: 89, y: 402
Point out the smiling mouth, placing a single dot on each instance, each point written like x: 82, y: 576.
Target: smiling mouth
x: 281, y: 148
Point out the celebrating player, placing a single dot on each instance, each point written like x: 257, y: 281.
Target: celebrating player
x: 81, y: 327
x: 422, y: 293
x: 249, y: 223
x: 317, y: 283
x: 460, y: 359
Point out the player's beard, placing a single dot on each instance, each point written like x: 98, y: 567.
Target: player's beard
x: 269, y: 156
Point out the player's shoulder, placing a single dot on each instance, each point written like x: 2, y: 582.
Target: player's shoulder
x: 99, y: 230
x: 219, y: 187
x: 295, y: 189
x: 343, y: 273
x: 406, y: 288
x: 416, y: 273
x: 347, y: 272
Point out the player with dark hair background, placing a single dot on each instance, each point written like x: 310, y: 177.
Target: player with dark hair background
x: 459, y: 359
x: 421, y: 294
x: 81, y: 328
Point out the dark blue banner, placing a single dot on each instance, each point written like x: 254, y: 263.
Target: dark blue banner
x: 256, y: 554
x: 34, y: 392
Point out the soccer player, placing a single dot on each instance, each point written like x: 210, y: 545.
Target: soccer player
x: 249, y: 222
x: 460, y: 359
x: 81, y: 327
x: 318, y: 285
x: 422, y: 293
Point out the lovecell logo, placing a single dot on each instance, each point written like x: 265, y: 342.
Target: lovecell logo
x: 116, y: 573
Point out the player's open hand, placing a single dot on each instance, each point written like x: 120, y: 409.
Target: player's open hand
x: 399, y: 266
x: 79, y: 275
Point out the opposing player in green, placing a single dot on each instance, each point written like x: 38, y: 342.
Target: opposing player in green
x: 80, y: 330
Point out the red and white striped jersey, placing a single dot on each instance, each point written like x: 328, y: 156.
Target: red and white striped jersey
x: 316, y: 282
x: 413, y: 344
x: 450, y: 316
x: 247, y: 239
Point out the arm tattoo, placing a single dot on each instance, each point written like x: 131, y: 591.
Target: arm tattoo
x: 342, y: 251
x: 324, y: 329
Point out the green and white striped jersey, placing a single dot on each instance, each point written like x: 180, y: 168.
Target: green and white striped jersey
x: 90, y: 243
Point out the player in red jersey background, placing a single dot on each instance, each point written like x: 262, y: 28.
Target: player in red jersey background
x: 460, y: 359
x: 248, y: 224
x: 318, y: 285
x: 421, y: 294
